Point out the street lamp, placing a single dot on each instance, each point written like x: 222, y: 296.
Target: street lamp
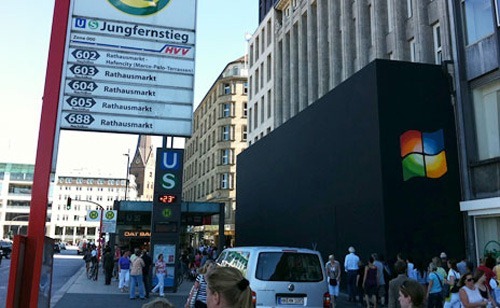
x: 126, y: 180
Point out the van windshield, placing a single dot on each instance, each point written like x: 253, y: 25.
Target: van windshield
x: 289, y: 266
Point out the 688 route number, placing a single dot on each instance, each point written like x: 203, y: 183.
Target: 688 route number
x: 79, y: 119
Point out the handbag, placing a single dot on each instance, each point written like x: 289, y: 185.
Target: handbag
x: 333, y: 281
x: 445, y: 289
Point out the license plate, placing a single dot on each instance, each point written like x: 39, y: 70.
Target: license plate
x: 291, y: 301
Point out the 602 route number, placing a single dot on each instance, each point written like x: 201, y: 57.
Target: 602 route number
x: 81, y: 54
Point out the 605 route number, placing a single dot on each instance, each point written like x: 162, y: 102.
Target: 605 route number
x: 81, y: 102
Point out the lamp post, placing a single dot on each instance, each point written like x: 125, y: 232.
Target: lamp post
x: 126, y: 180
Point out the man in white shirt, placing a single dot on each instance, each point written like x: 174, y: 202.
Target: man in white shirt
x: 351, y: 265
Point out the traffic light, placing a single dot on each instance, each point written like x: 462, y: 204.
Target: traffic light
x: 68, y: 204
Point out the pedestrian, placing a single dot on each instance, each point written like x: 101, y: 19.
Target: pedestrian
x: 411, y: 294
x: 400, y: 267
x: 136, y: 275
x: 117, y: 256
x: 351, y: 267
x: 359, y: 280
x: 226, y: 287
x: 444, y: 261
x: 333, y: 272
x: 146, y: 270
x: 480, y: 279
x: 160, y: 272
x: 370, y: 283
x: 422, y: 274
x: 381, y: 292
x: 198, y: 294
x: 469, y: 293
x: 108, y: 264
x: 124, y: 271
x: 487, y: 267
x: 452, y: 279
x: 496, y: 290
x: 434, y: 297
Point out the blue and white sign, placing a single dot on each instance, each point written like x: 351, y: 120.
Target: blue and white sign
x: 132, y: 62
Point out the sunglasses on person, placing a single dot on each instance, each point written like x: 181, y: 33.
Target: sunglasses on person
x: 469, y: 279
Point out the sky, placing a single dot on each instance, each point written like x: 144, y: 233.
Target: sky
x: 25, y: 34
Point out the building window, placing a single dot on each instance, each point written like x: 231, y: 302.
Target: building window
x: 438, y: 48
x: 487, y: 118
x: 478, y: 19
x: 256, y: 115
x: 409, y: 8
x: 245, y: 88
x: 226, y: 156
x: 227, y: 88
x: 226, y: 181
x: 244, y: 133
x: 227, y: 110
x: 245, y: 109
x: 227, y: 132
x: 413, y: 50
x: 390, y: 16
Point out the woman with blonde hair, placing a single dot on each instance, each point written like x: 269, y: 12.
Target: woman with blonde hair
x: 198, y: 296
x: 226, y: 288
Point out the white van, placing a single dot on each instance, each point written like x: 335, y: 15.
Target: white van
x: 281, y: 276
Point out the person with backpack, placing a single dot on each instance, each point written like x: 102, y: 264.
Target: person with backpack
x: 435, y: 287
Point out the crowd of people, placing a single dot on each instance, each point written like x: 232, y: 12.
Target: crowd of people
x: 440, y: 282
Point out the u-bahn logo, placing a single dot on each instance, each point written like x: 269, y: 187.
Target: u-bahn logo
x: 139, y: 7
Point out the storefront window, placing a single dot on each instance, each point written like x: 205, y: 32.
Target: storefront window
x: 478, y: 19
x: 488, y: 234
x: 487, y: 118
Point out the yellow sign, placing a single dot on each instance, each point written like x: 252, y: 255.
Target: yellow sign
x: 136, y: 233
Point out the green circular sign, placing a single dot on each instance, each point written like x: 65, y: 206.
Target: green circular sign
x: 94, y: 214
x: 110, y: 215
x: 139, y: 7
x: 167, y: 212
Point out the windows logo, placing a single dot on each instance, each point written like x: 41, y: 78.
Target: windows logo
x: 423, y: 154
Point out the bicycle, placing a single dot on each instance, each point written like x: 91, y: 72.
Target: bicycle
x: 180, y: 278
x: 92, y: 271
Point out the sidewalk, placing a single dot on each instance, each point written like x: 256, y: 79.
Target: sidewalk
x: 80, y: 292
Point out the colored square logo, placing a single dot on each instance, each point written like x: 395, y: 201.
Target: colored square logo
x: 423, y: 154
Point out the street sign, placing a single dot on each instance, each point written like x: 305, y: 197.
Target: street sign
x: 129, y: 68
x: 93, y: 215
x: 109, y: 219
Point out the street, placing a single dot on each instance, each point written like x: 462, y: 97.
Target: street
x: 66, y: 264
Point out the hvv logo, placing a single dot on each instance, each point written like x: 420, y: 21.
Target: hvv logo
x: 171, y: 162
x: 423, y: 154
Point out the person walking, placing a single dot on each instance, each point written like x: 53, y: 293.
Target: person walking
x: 124, y: 271
x: 453, y: 278
x: 370, y: 283
x: 136, y: 275
x: 198, y: 293
x: 160, y: 272
x: 108, y: 264
x: 400, y: 267
x: 351, y: 267
x: 381, y: 292
x: 333, y: 272
x: 146, y: 270
x: 434, y: 298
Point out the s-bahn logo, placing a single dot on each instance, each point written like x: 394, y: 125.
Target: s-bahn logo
x: 139, y: 7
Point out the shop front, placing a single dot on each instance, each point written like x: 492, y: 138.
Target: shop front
x: 485, y: 214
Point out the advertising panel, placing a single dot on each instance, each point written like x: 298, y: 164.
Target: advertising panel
x: 129, y: 67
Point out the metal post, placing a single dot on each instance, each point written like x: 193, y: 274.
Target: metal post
x: 222, y: 236
x: 126, y: 180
